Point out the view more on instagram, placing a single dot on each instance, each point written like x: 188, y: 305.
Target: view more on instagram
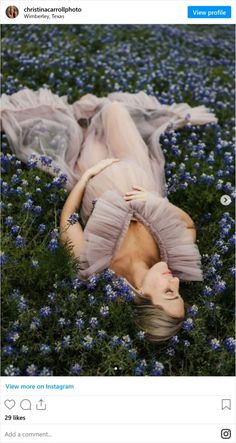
x: 117, y: 227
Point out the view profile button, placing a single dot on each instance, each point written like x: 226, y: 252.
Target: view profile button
x: 209, y: 11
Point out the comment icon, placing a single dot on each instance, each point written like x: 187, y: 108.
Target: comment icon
x: 25, y: 404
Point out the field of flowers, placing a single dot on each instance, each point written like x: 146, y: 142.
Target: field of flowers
x: 54, y: 324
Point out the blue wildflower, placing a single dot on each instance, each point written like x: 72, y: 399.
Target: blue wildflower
x: 12, y: 371
x: 157, y: 368
x: 214, y: 344
x: 75, y: 369
x: 104, y: 311
x: 45, y: 311
x: 88, y: 342
x: 3, y: 258
x: 230, y: 344
x: 188, y: 324
x: 53, y: 245
x: 44, y: 349
x: 73, y: 219
x: 31, y: 370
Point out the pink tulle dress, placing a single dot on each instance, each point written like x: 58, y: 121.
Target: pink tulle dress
x: 122, y: 125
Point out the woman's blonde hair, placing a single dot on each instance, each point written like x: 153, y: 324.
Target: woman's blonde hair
x: 153, y: 320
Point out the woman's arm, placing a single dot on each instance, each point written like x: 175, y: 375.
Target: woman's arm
x: 74, y: 232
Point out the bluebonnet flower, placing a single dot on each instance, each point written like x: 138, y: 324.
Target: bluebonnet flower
x: 45, y: 311
x: 92, y: 281
x: 110, y: 293
x: 75, y: 369
x: 73, y: 219
x: 41, y: 227
x: 3, y: 258
x: 60, y: 181
x: 24, y: 349
x: 157, y: 368
x: 207, y: 291
x: 232, y: 240
x: 188, y: 324
x: 107, y: 275
x: 45, y: 349
x: 126, y: 341
x: 12, y: 336
x: 31, y: 370
x: 101, y: 334
x: 8, y: 221
x: 15, y: 179
x: 140, y: 368
x: 46, y: 372
x: 175, y: 340
x: 37, y: 210
x: 79, y: 324
x: 88, y: 342
x: 35, y: 324
x: 114, y: 341
x: 192, y: 310
x: 20, y: 241
x: 32, y: 163
x: 186, y: 344
x: 35, y: 264
x: 28, y: 205
x: 54, y: 233
x: 66, y: 341
x: 230, y: 344
x: 219, y: 286
x: 8, y: 350
x: 11, y: 370
x: 221, y: 246
x: 45, y: 161
x: 53, y: 245
x: 133, y: 353
x: 170, y: 352
x: 15, y: 229
x: 104, y: 311
x: 77, y: 283
x: 214, y: 344
x: 93, y: 322
x: 232, y: 271
x: 91, y: 299
x: 216, y: 261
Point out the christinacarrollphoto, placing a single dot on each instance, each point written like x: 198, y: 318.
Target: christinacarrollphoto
x: 117, y: 200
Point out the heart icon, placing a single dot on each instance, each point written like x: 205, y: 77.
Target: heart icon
x: 9, y: 404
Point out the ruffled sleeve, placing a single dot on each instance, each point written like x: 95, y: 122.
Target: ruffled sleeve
x: 174, y: 240
x: 109, y: 223
x: 104, y: 233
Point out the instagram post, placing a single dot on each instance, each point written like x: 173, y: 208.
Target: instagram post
x: 117, y: 200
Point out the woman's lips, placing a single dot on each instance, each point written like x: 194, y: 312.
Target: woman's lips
x: 167, y: 273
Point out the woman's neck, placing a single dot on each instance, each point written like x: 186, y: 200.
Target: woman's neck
x: 134, y: 272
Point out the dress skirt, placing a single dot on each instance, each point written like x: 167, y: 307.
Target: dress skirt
x: 122, y: 125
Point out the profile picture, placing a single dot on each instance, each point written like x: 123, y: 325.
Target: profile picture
x: 12, y: 12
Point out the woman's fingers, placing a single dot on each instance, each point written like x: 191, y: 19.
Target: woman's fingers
x: 137, y: 196
x: 140, y: 188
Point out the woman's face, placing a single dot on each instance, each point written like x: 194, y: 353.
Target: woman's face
x: 163, y: 289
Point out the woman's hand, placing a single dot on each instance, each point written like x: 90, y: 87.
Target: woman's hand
x: 138, y: 193
x: 94, y: 170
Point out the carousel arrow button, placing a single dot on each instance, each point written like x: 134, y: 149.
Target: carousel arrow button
x: 225, y: 200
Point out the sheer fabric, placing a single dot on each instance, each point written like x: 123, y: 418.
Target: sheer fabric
x: 123, y: 125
